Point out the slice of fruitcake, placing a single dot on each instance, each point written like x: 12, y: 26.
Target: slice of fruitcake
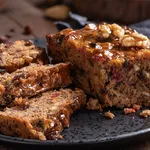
x: 45, y: 117
x: 31, y: 80
x: 110, y: 62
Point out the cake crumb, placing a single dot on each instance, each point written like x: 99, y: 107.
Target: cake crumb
x: 93, y: 104
x: 109, y: 115
x: 129, y: 110
x: 145, y: 113
x: 136, y: 107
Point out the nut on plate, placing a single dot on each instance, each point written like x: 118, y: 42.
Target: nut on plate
x: 57, y: 12
x: 129, y: 110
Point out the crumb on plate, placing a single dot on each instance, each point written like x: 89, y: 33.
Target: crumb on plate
x: 109, y: 115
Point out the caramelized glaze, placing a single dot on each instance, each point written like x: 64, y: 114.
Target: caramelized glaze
x: 111, y: 46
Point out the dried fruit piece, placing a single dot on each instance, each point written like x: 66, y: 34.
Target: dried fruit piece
x: 58, y: 12
x: 136, y: 107
x: 128, y: 110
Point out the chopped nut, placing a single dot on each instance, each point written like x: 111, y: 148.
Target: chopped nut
x: 146, y: 74
x: 58, y: 12
x: 145, y: 113
x: 128, y: 110
x: 138, y: 36
x: 135, y: 39
x: 93, y: 104
x: 91, y: 26
x: 118, y: 31
x: 128, y: 41
x: 109, y: 115
x: 105, y: 30
x: 136, y: 67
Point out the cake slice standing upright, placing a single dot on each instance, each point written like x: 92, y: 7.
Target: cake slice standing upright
x: 110, y: 62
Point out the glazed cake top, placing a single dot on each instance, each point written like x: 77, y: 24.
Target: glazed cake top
x: 107, y: 41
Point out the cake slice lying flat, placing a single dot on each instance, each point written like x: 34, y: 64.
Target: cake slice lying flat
x: 19, y: 54
x: 45, y: 117
x: 110, y: 62
x: 33, y: 79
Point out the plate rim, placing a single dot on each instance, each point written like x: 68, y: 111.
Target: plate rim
x: 36, y: 142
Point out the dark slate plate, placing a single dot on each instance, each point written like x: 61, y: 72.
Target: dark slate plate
x: 93, y: 128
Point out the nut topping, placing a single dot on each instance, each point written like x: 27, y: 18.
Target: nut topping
x: 105, y: 30
x: 125, y: 39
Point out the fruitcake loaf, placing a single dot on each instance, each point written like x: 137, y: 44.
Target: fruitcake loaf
x: 110, y: 62
x: 33, y: 79
x: 21, y: 53
x: 45, y: 117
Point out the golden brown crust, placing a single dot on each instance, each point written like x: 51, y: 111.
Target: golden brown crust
x: 34, y: 79
x: 45, y: 117
x: 109, y: 62
x: 19, y: 54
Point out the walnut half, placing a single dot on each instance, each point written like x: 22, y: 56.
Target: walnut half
x: 135, y: 40
x: 126, y: 37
